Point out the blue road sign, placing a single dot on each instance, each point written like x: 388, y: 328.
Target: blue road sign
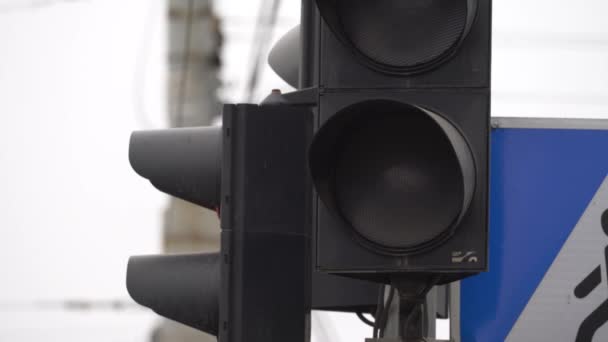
x: 548, y: 276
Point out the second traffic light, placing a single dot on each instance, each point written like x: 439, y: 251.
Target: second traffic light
x: 252, y: 170
x: 399, y: 97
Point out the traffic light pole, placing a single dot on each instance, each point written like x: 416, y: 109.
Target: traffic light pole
x: 425, y: 325
x: 408, y: 312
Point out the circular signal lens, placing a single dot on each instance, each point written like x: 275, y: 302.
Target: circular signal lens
x: 397, y: 177
x: 400, y: 36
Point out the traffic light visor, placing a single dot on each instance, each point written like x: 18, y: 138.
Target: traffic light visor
x: 182, y: 162
x: 400, y: 176
x: 184, y: 288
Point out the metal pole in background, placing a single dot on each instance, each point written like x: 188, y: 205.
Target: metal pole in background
x: 194, y: 47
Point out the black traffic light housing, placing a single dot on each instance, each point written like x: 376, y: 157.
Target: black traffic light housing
x: 403, y: 190
x: 253, y: 170
x: 400, y: 155
x: 265, y: 220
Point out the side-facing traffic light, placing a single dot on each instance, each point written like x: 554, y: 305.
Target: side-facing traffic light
x: 252, y: 170
x: 186, y: 163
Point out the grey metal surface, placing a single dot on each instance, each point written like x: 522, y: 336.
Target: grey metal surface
x: 431, y: 313
x: 455, y: 312
x: 392, y: 325
x: 549, y: 123
x: 443, y: 301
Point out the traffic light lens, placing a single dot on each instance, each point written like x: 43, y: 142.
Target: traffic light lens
x: 410, y: 32
x: 411, y: 36
x: 393, y: 173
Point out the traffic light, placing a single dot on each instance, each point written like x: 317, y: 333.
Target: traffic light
x: 376, y: 169
x: 400, y: 155
x: 252, y: 171
x: 186, y: 163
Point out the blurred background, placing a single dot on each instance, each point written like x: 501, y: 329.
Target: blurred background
x: 76, y: 77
